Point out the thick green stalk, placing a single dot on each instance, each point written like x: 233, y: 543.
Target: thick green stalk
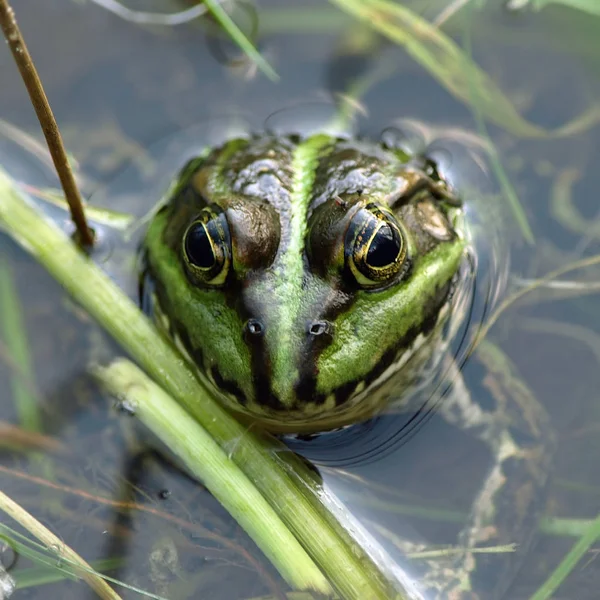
x: 283, y: 481
x: 222, y: 477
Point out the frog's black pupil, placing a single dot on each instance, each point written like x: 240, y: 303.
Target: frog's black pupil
x: 198, y: 247
x: 384, y: 248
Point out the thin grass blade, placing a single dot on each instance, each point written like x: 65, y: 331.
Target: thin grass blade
x: 239, y: 38
x: 447, y: 63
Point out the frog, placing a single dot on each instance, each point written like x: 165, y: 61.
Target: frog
x: 312, y: 282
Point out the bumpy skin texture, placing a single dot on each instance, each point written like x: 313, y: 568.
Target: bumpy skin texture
x: 328, y: 338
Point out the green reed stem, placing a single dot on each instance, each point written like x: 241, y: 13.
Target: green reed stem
x: 222, y: 477
x: 236, y: 34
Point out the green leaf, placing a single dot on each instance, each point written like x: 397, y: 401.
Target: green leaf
x: 454, y: 69
x: 590, y: 6
x: 236, y: 34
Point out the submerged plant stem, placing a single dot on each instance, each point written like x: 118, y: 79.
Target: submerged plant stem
x: 47, y: 121
x: 569, y: 562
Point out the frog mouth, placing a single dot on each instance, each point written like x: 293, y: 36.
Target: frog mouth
x: 394, y: 377
x: 354, y: 402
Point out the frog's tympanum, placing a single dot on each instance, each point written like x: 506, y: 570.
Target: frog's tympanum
x: 309, y: 281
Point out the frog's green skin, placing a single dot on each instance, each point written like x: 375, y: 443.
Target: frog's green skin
x: 291, y: 333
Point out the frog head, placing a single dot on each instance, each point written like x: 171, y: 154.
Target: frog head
x: 302, y: 276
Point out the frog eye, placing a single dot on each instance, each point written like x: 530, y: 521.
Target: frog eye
x: 207, y: 248
x: 374, y: 247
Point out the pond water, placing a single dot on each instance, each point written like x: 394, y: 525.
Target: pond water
x: 134, y: 102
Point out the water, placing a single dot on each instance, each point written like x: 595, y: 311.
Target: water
x: 134, y: 103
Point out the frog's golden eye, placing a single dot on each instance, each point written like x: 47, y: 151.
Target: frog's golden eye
x: 207, y: 248
x: 375, y: 249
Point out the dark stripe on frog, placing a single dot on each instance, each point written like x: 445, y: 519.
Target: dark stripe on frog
x: 306, y: 389
x: 180, y: 330
x: 259, y: 168
x: 261, y: 364
x: 188, y: 201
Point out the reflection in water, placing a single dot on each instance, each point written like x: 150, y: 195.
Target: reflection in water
x: 152, y: 18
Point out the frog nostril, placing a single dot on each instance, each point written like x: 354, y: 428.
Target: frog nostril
x: 318, y: 327
x: 254, y: 327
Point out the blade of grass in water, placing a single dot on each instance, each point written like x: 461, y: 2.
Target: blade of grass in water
x: 590, y: 6
x: 445, y: 60
x: 15, y: 337
x: 505, y: 184
x: 324, y: 527
x: 83, y: 569
x: 22, y: 380
x: 569, y: 562
x: 58, y: 567
x: 236, y: 34
x: 43, y: 575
